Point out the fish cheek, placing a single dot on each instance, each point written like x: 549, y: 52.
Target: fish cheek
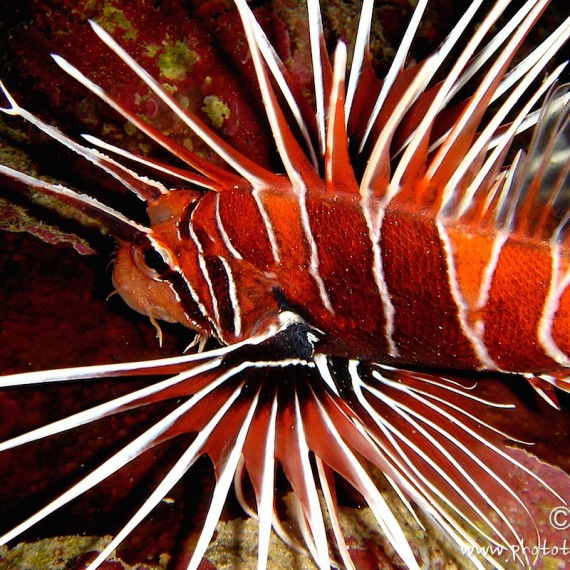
x: 141, y: 288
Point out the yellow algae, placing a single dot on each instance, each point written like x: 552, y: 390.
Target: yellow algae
x: 216, y: 110
x: 176, y: 61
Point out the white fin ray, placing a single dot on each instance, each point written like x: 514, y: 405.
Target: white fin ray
x: 127, y: 401
x: 110, y: 466
x: 441, y: 410
x: 480, y: 146
x: 141, y: 186
x: 488, y: 171
x: 395, y: 68
x: 240, y: 491
x: 411, y: 413
x: 414, y: 90
x: 364, y: 484
x: 552, y: 43
x: 287, y: 147
x: 155, y: 367
x: 265, y: 491
x: 178, y: 173
x: 409, y: 478
x: 442, y: 53
x: 378, y: 163
x: 211, y: 172
x: 482, y: 93
x: 265, y: 506
x: 338, y: 169
x: 359, y: 53
x: 405, y: 501
x: 511, y: 77
x: 225, y: 473
x: 408, y: 416
x: 550, y: 171
x: 187, y: 459
x: 114, y: 406
x: 495, y: 42
x: 414, y: 475
x: 332, y: 509
x: 536, y: 179
x: 253, y: 173
x: 509, y: 194
x: 316, y: 39
x: 278, y: 71
x: 311, y: 507
x: 89, y: 206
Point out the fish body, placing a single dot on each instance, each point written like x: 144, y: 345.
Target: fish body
x: 408, y: 290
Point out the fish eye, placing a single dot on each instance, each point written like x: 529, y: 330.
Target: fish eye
x: 153, y: 261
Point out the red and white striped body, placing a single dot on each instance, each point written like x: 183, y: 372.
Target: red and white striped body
x: 403, y: 288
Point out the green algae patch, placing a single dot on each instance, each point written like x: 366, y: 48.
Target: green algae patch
x: 114, y: 18
x: 216, y: 110
x: 152, y: 50
x: 176, y: 61
x: 61, y: 552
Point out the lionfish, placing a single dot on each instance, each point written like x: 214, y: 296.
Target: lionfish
x: 397, y: 247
